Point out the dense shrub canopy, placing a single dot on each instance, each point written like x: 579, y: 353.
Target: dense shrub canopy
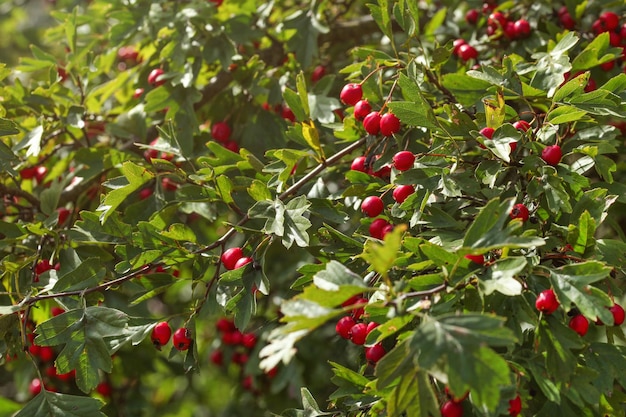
x: 350, y: 208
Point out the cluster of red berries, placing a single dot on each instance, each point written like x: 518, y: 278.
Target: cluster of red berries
x: 221, y: 132
x: 354, y: 329
x: 547, y: 303
x: 237, y: 346
x: 374, y: 123
x: 233, y: 258
x: 37, y: 172
x: 162, y: 332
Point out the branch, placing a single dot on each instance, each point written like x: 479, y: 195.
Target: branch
x: 4, y: 190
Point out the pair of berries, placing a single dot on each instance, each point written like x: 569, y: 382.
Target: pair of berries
x: 233, y: 258
x: 162, y: 332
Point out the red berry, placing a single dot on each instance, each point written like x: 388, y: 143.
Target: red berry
x: 35, y: 386
x: 487, y: 132
x: 138, y: 93
x: 40, y: 173
x: 376, y: 228
x: 63, y: 214
x: 358, y: 333
x: 359, y: 164
x: 372, y: 206
x: 567, y: 20
x: 618, y: 314
x: 240, y: 358
x: 232, y: 338
x: 155, y: 78
x: 357, y: 313
x: 288, y: 114
x: 403, y: 160
x: 546, y: 301
x: 522, y: 125
x: 457, y: 44
x: 375, y: 353
x: 610, y: 21
x: 515, y: 406
x: 243, y: 261
x: 43, y: 266
x: 225, y: 325
x: 521, y: 28
x: 104, y: 389
x: 128, y: 53
x: 579, y: 324
x: 34, y: 350
x: 477, y: 259
x: 230, y: 257
x: 145, y: 193
x: 28, y: 173
x: 318, y: 73
x: 509, y: 30
x: 46, y: 354
x: 519, y: 211
x: 387, y: 229
x: 471, y: 16
x: 343, y: 326
x: 161, y: 334
x: 552, y: 155
x: 68, y: 376
x: 169, y: 184
x: 351, y: 94
x: 182, y: 339
x: 451, y: 409
x: 221, y: 132
x: 217, y: 357
x: 217, y: 3
x: 371, y: 123
x: 401, y: 193
x: 231, y: 145
x: 56, y: 311
x: 361, y: 109
x: 248, y: 340
x: 496, y: 19
x: 389, y: 124
x: 467, y: 52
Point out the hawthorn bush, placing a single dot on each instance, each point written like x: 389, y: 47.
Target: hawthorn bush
x: 351, y: 208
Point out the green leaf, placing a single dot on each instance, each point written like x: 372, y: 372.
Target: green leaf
x: 88, y: 274
x: 336, y: 275
x: 135, y: 177
x: 8, y: 127
x: 565, y: 114
x: 418, y: 113
x: 31, y: 142
x: 302, y: 93
x: 382, y: 257
x: 286, y: 221
x: 595, y: 53
x: 556, y: 339
x: 572, y: 285
x: 580, y: 235
x: 500, y: 276
x: 312, y: 137
x: 83, y: 332
x: 53, y: 404
x: 295, y: 104
x: 414, y: 396
x: 467, y: 90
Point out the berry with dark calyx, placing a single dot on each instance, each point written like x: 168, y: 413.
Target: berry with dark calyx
x: 519, y: 211
x: 552, y: 155
x: 546, y: 301
x: 371, y: 123
x: 609, y: 21
x: 451, y: 409
x: 467, y: 52
x: 361, y: 109
x: 375, y: 353
x: 182, y: 339
x: 230, y: 257
x: 402, y: 192
x: 161, y: 334
x: 359, y: 164
x: 515, y: 406
x: 372, y: 206
x: 156, y: 78
x: 351, y: 94
x: 477, y: 259
x: 579, y: 324
x: 343, y: 326
x: 221, y: 132
x: 618, y: 314
x: 403, y: 160
x: 243, y: 261
x: 358, y: 333
x: 376, y: 228
x: 389, y: 124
